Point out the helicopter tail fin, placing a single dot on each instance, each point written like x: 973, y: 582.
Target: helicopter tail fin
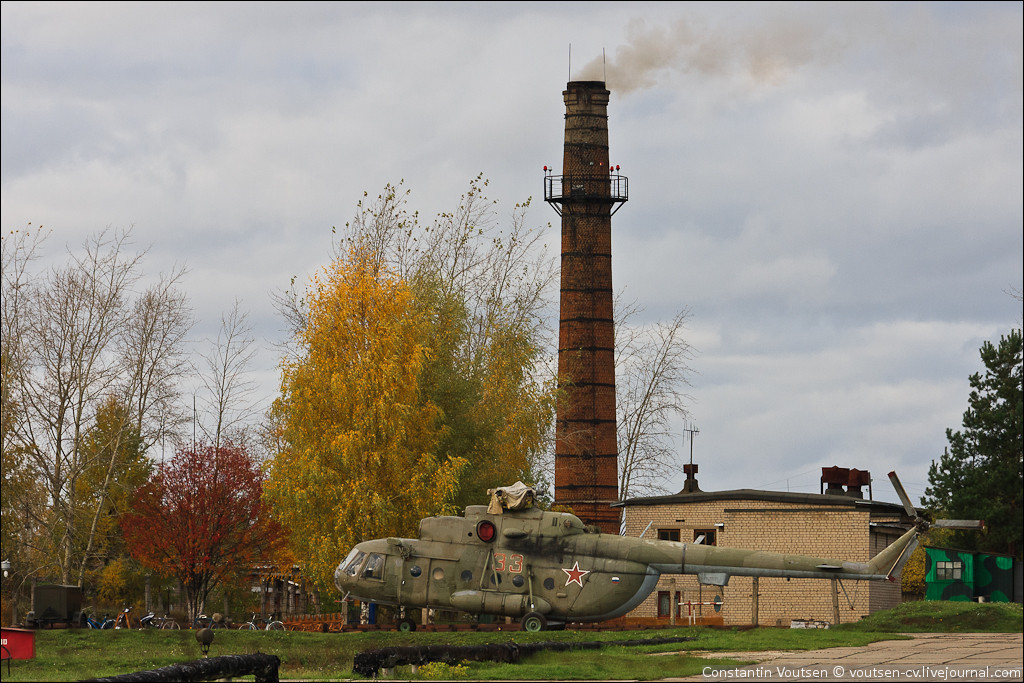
x: 890, y: 561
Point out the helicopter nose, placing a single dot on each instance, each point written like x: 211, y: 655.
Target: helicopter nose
x: 341, y: 579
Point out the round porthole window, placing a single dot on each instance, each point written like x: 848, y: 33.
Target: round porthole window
x: 415, y: 570
x: 438, y: 574
x: 467, y: 575
x: 517, y: 581
x: 549, y: 583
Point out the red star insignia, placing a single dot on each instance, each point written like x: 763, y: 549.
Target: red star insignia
x: 575, y: 575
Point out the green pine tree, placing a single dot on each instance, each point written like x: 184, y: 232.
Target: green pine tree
x: 979, y: 474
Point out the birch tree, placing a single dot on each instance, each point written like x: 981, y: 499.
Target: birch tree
x: 80, y: 336
x: 22, y: 503
x: 359, y: 435
x: 652, y: 372
x: 487, y: 282
x: 227, y: 387
x: 150, y: 352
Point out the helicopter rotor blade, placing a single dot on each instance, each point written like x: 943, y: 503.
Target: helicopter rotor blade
x: 904, y: 498
x: 967, y: 524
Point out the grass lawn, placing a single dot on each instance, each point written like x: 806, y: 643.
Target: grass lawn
x: 68, y: 655
x: 944, y: 617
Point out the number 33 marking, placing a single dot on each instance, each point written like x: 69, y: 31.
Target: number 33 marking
x: 515, y: 563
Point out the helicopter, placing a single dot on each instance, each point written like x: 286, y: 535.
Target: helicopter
x: 512, y: 559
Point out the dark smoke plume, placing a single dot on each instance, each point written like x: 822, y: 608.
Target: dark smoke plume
x: 766, y: 53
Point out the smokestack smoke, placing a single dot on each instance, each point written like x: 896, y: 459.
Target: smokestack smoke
x: 766, y: 53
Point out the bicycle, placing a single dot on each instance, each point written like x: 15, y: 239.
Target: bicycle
x: 202, y: 621
x: 169, y: 624
x: 123, y: 620
x: 105, y: 623
x: 270, y: 625
x: 164, y: 623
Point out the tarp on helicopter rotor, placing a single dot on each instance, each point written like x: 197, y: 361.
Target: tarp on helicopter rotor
x: 519, y: 496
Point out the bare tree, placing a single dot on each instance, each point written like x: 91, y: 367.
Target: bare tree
x: 73, y: 324
x: 151, y: 350
x: 504, y: 274
x: 82, y: 341
x: 22, y: 498
x: 228, y: 387
x: 1015, y: 293
x: 651, y: 373
x: 20, y: 249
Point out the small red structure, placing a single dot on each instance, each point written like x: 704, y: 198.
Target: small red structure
x: 19, y: 643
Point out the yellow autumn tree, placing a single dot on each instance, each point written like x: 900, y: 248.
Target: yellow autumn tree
x: 912, y: 578
x: 357, y: 434
x: 484, y: 285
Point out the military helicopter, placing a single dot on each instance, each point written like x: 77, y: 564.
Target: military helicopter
x: 512, y: 559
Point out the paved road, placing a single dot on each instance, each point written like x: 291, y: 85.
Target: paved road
x: 928, y: 657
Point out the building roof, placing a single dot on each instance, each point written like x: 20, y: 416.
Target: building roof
x: 969, y: 552
x: 770, y: 496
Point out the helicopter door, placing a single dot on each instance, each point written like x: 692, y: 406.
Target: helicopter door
x: 414, y: 578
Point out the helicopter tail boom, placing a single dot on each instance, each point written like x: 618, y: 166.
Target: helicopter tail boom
x: 714, y: 565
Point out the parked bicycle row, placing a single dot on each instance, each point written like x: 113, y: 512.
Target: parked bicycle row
x: 124, y: 620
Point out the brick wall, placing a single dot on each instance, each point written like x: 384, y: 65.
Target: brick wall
x: 586, y: 452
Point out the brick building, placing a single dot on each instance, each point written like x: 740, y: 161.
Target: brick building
x: 820, y: 525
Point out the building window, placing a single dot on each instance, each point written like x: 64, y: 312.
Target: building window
x: 668, y: 535
x: 705, y: 536
x: 664, y: 604
x: 948, y: 571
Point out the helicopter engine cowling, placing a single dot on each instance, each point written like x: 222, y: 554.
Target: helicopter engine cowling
x: 501, y: 604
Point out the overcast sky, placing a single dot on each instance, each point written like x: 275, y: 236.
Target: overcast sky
x: 832, y: 190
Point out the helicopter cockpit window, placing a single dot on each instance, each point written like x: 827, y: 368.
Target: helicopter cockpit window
x: 374, y: 568
x: 352, y: 562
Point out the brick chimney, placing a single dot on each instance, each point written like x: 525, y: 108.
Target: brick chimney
x: 586, y: 195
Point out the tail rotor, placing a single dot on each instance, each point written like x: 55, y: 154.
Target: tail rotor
x: 921, y: 523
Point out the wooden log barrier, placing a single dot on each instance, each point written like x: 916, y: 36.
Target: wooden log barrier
x: 263, y: 667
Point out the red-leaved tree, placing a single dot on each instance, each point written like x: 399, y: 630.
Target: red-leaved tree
x: 201, y: 518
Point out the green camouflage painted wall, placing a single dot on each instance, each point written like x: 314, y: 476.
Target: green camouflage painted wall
x: 995, y: 574
x: 981, y: 575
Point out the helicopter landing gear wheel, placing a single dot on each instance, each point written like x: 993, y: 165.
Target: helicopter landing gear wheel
x: 533, y: 622
x: 406, y: 625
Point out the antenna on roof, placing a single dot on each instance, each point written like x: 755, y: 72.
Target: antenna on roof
x: 692, y: 431
x: 604, y: 65
x: 570, y: 61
